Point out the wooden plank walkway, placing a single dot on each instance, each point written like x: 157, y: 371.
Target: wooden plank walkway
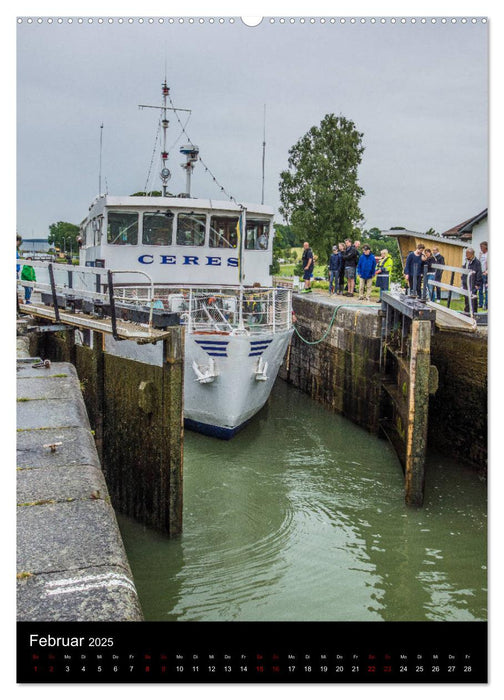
x: 452, y: 321
x: 126, y: 330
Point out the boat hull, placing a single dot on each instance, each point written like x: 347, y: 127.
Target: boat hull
x: 244, y: 369
x: 226, y: 404
x: 214, y: 430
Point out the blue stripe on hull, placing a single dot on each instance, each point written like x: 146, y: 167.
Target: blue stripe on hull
x: 213, y: 430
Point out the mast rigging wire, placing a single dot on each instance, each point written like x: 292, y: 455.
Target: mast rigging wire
x: 207, y: 169
x: 154, y: 150
x: 152, y: 157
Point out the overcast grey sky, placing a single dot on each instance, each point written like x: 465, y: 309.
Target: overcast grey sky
x: 417, y: 91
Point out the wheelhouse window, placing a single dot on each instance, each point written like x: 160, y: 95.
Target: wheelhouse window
x: 157, y: 228
x: 191, y: 229
x: 122, y: 228
x: 223, y: 232
x: 256, y: 234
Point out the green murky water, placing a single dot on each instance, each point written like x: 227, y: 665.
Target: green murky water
x: 302, y: 517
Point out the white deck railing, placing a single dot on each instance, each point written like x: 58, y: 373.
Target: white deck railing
x: 228, y: 310
x: 216, y: 309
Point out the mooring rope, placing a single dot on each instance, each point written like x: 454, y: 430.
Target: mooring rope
x: 316, y: 342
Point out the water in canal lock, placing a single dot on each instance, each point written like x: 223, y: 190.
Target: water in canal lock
x: 301, y: 517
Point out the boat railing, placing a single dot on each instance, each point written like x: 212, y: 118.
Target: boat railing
x: 89, y: 290
x: 212, y: 309
x: 84, y: 282
x: 225, y: 310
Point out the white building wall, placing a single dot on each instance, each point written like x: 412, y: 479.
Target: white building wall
x: 480, y: 233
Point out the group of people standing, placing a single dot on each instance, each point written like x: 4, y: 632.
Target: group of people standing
x: 416, y: 262
x: 423, y: 257
x: 346, y: 263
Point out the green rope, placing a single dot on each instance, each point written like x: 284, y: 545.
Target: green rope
x: 316, y: 342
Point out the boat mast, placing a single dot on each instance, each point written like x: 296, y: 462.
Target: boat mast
x: 165, y: 174
x: 100, y: 168
x: 263, y: 153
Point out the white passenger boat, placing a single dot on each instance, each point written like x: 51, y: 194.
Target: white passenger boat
x: 208, y: 261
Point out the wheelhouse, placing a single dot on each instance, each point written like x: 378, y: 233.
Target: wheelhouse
x: 177, y: 240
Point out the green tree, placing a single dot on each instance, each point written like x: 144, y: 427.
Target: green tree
x: 63, y: 235
x: 282, y: 242
x: 319, y: 191
x: 285, y: 237
x: 372, y: 233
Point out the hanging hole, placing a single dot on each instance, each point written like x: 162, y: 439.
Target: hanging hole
x: 251, y: 21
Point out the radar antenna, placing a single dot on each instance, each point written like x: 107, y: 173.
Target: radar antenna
x: 190, y: 151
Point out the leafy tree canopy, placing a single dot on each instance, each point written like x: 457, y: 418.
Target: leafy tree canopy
x: 374, y: 233
x: 63, y: 235
x: 285, y: 237
x: 319, y: 192
x: 281, y: 243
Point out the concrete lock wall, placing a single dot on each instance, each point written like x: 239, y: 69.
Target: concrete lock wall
x: 342, y: 371
x: 143, y: 419
x: 71, y: 563
x: 458, y: 411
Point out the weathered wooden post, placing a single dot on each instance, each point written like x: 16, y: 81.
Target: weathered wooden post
x: 173, y: 353
x: 96, y: 379
x: 418, y: 411
x: 407, y: 381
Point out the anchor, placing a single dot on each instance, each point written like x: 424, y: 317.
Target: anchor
x: 205, y: 375
x: 261, y: 369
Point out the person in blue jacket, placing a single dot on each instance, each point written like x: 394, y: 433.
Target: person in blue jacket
x: 366, y: 269
x: 334, y: 269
